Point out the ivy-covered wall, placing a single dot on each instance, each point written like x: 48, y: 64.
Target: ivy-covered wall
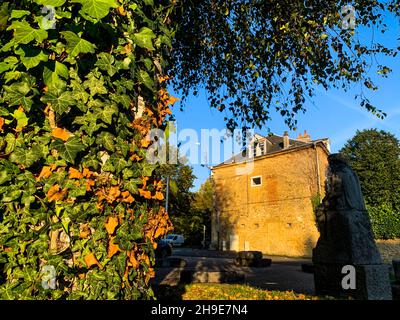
x: 81, y: 84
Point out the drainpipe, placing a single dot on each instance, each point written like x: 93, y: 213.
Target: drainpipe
x: 318, y: 172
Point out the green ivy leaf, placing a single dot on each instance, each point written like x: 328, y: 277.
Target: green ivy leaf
x: 22, y: 119
x: 68, y: 150
x: 52, y: 3
x: 144, y: 38
x: 16, y: 95
x: 105, y: 62
x: 52, y: 73
x: 96, y: 9
x: 24, y: 34
x: 31, y: 57
x: 60, y: 101
x: 4, y: 15
x: 17, y: 14
x: 77, y: 45
x: 95, y: 85
x: 26, y: 157
x: 146, y: 80
x: 107, y: 113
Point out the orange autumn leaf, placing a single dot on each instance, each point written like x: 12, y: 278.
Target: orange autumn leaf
x: 145, y: 193
x: 112, y: 248
x: 84, y: 231
x: 135, y: 157
x: 60, y: 134
x: 132, y: 259
x: 89, y: 185
x: 172, y: 100
x: 127, y: 49
x: 91, y: 260
x: 111, y: 224
x: 74, y: 174
x: 46, y: 171
x: 55, y: 194
x: 87, y: 173
x: 145, y: 142
x: 163, y: 79
x: 114, y: 193
x: 1, y: 123
x: 158, y: 196
x: 121, y: 11
x: 127, y: 197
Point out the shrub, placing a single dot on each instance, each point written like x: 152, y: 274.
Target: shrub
x: 385, y: 221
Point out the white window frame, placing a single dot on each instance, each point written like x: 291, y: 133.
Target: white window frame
x: 252, y: 181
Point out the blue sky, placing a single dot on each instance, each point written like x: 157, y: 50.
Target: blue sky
x: 332, y: 114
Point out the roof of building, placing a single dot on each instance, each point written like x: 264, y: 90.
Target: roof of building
x: 275, y: 145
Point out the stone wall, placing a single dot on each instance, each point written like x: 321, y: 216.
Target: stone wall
x: 389, y: 249
x: 277, y: 217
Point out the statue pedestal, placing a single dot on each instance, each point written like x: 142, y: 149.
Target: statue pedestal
x: 372, y: 281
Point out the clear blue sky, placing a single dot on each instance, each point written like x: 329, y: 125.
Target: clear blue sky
x: 331, y: 114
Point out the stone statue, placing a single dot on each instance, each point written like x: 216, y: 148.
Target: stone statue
x: 346, y: 236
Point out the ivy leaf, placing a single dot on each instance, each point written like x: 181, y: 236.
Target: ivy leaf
x: 95, y: 85
x: 145, y: 79
x: 147, y: 169
x: 24, y: 34
x: 4, y: 14
x: 105, y: 62
x: 96, y: 9
x: 68, y: 150
x: 52, y: 3
x: 144, y: 38
x: 52, y: 73
x: 60, y: 101
x: 132, y: 185
x: 22, y: 119
x: 8, y: 64
x: 107, y: 113
x: 26, y: 157
x: 16, y: 95
x: 77, y: 45
x: 107, y: 140
x: 31, y: 57
x: 17, y: 14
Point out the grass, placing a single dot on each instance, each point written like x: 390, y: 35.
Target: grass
x: 208, y: 291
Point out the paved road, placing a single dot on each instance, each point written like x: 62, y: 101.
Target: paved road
x: 283, y: 274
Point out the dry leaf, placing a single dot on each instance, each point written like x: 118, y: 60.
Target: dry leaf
x: 158, y: 196
x: 127, y: 197
x: 46, y: 171
x: 1, y: 123
x: 145, y: 193
x: 84, y: 231
x: 55, y: 194
x: 87, y: 173
x: 111, y: 224
x: 61, y: 134
x: 91, y: 260
x: 75, y: 174
x: 89, y: 185
x: 112, y: 248
x: 132, y: 259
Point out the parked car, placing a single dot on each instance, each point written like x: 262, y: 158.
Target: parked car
x: 175, y: 239
x: 163, y: 250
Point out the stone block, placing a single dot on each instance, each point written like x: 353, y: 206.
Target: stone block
x: 396, y: 269
x: 372, y: 282
x: 193, y: 276
x: 250, y: 255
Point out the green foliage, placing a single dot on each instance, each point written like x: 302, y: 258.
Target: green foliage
x: 385, y: 221
x: 256, y: 58
x: 75, y: 191
x: 375, y: 157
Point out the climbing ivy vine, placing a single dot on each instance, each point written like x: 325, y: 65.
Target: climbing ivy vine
x: 81, y: 84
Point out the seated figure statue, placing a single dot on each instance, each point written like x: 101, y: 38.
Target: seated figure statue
x: 346, y: 235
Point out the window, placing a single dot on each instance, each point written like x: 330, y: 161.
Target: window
x: 262, y: 147
x: 256, y: 181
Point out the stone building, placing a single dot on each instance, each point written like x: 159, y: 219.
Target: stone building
x: 264, y: 197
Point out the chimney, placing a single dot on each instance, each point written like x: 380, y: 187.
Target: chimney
x: 285, y: 140
x: 305, y: 138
